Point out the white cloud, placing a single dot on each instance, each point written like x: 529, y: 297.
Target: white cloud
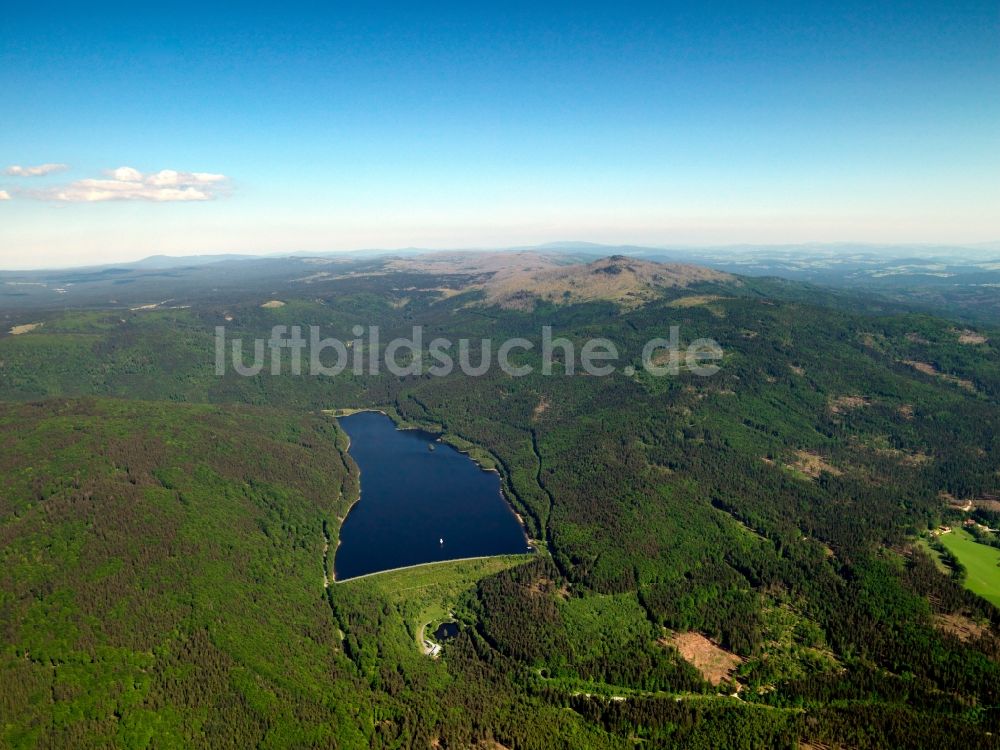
x: 126, y: 174
x: 129, y: 184
x: 4, y: 195
x: 16, y: 170
x: 170, y: 178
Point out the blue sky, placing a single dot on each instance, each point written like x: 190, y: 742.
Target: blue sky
x: 345, y: 125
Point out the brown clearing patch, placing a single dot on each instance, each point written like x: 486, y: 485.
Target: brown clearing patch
x: 797, y: 370
x: 539, y: 410
x: 847, y: 403
x: 881, y: 445
x: 928, y: 369
x: 953, y: 501
x: 907, y: 458
x: 988, y: 503
x: 868, y: 340
x: 812, y: 465
x: 971, y: 337
x: 273, y: 304
x: 694, y: 300
x: 675, y: 357
x: 906, y: 411
x: 715, y: 663
x: 912, y: 458
x: 965, y: 628
x: 916, y: 338
x: 443, y: 292
x: 925, y: 367
x: 25, y: 328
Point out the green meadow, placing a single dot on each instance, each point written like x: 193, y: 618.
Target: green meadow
x: 981, y: 562
x: 427, y: 594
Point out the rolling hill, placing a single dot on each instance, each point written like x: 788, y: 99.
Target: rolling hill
x: 755, y: 532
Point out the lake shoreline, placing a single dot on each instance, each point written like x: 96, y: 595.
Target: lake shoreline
x: 400, y: 424
x: 465, y: 448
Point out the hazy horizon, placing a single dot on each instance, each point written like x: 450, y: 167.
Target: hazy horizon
x: 987, y: 249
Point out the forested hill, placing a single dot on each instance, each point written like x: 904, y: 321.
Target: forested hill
x: 161, y: 576
x: 759, y: 532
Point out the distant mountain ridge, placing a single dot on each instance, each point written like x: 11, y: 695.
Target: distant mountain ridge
x: 836, y: 249
x: 963, y: 281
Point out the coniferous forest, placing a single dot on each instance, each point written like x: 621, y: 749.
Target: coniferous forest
x: 745, y: 560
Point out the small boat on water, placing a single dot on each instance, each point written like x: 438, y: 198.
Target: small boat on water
x: 441, y: 542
